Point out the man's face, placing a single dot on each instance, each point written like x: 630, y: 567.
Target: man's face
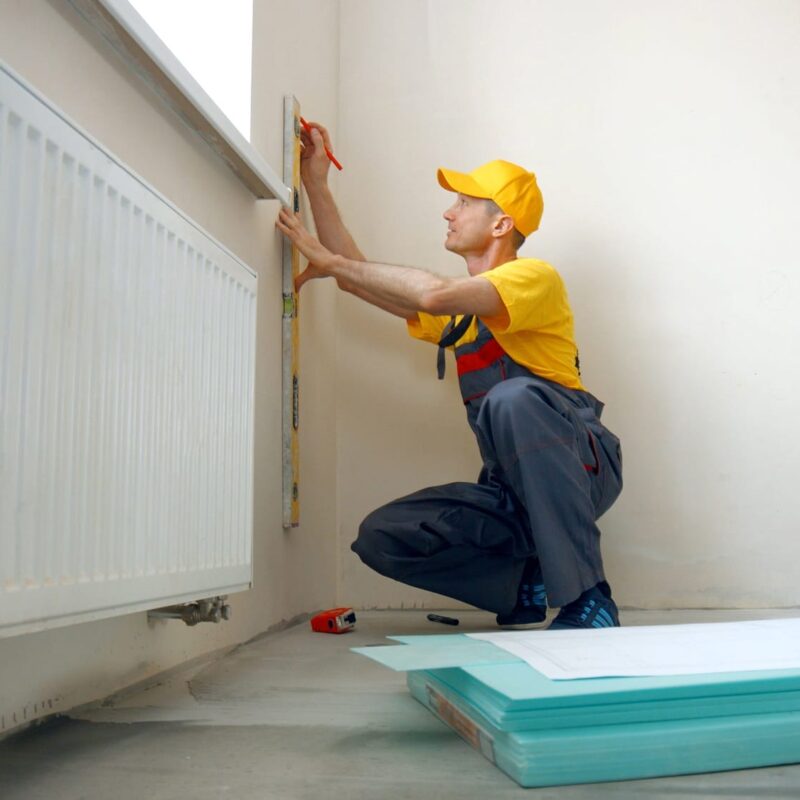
x: 469, y: 226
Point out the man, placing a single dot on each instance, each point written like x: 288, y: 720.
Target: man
x: 524, y: 536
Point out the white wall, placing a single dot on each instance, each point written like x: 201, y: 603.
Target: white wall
x: 50, y: 46
x: 665, y: 137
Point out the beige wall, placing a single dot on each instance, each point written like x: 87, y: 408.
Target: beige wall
x: 52, y: 48
x: 665, y: 139
x: 305, y: 567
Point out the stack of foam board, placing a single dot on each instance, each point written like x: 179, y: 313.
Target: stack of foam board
x: 543, y: 732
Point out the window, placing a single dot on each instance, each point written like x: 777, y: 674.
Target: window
x: 213, y: 40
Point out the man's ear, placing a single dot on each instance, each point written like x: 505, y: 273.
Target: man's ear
x: 502, y: 226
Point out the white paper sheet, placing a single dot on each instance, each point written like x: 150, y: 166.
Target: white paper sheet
x: 655, y: 649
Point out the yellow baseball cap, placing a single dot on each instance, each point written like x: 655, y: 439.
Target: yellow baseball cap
x: 513, y: 188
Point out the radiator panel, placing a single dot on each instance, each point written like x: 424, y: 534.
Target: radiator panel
x: 127, y: 359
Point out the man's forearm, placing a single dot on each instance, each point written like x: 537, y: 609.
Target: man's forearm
x: 398, y: 310
x: 400, y: 290
x: 406, y: 288
x: 330, y: 227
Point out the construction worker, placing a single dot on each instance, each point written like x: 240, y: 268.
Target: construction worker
x: 524, y: 537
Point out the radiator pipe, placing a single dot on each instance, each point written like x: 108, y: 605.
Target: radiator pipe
x: 211, y: 609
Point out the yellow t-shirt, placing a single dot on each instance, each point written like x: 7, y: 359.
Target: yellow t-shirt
x: 537, y: 330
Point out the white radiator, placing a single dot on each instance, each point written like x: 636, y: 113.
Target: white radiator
x: 127, y: 360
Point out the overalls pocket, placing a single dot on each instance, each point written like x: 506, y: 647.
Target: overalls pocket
x: 602, y: 459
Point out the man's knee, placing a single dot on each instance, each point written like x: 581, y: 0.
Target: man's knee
x: 509, y: 391
x: 368, y: 535
x: 373, y: 545
x: 504, y: 401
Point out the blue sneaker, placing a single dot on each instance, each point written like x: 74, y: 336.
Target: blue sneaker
x: 593, y: 609
x: 531, y: 607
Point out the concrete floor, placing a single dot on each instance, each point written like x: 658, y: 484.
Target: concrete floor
x: 297, y: 716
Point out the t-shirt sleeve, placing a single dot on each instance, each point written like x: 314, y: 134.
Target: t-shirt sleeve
x: 532, y: 293
x: 427, y: 327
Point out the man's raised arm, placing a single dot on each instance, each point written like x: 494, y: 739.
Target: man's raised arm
x: 331, y: 230
x: 314, y: 167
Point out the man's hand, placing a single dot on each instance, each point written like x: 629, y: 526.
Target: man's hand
x: 314, y: 162
x: 320, y: 259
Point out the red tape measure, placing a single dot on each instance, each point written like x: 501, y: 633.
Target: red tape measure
x: 334, y: 620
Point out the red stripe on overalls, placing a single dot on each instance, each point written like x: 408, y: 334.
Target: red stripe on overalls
x: 480, y: 359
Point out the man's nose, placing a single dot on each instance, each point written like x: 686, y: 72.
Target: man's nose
x: 448, y: 214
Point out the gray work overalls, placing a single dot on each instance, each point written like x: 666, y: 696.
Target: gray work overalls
x: 550, y: 469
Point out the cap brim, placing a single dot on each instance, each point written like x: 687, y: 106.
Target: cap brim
x: 459, y: 182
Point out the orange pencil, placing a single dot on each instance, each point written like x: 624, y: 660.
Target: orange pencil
x: 328, y: 153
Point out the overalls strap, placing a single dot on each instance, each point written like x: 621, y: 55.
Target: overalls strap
x: 451, y: 334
